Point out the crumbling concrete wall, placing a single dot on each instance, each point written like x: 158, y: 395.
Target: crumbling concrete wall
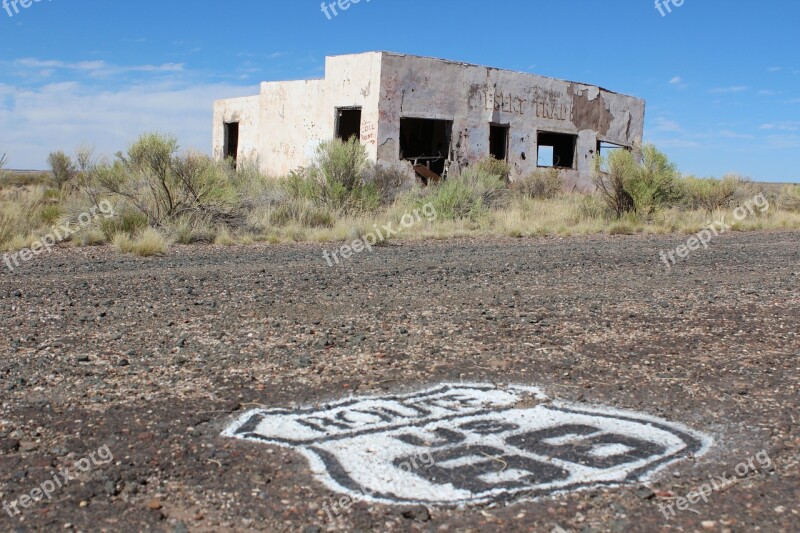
x: 246, y: 112
x: 288, y: 120
x: 475, y: 97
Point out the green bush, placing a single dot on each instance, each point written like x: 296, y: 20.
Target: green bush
x: 493, y: 167
x: 629, y: 186
x: 708, y: 194
x: 591, y: 208
x: 337, y: 178
x: 50, y: 213
x: 128, y: 221
x: 541, y: 183
x: 469, y: 195
x: 162, y: 185
x: 301, y: 212
x: 62, y: 167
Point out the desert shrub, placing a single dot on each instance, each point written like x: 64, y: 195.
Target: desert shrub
x: 90, y: 237
x: 611, y: 176
x: 50, y: 213
x: 342, y: 162
x: 127, y: 220
x: 149, y: 242
x: 390, y: 181
x: 469, y: 195
x: 541, y: 183
x: 25, y: 179
x: 342, y: 180
x: 789, y: 198
x: 84, y: 158
x: 630, y: 186
x: 163, y: 185
x: 146, y: 243
x: 298, y: 185
x: 708, y: 194
x: 493, y: 167
x: 191, y: 228
x: 62, y: 167
x: 622, y: 227
x: 653, y: 185
x: 337, y: 178
x: 301, y: 212
x: 122, y: 242
x: 22, y: 213
x: 591, y: 208
x: 224, y: 237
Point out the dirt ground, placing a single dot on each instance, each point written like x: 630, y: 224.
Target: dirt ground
x: 153, y: 358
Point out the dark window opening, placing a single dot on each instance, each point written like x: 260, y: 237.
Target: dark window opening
x: 348, y: 124
x: 231, y: 149
x: 498, y: 141
x: 556, y: 149
x: 604, y: 149
x: 426, y: 142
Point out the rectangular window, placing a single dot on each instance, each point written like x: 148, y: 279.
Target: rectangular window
x: 556, y: 150
x: 426, y: 142
x: 604, y: 149
x: 498, y: 141
x: 231, y: 149
x: 348, y: 123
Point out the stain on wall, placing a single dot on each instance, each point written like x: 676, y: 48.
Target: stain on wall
x: 590, y: 113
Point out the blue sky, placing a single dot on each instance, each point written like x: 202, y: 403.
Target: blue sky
x: 720, y: 77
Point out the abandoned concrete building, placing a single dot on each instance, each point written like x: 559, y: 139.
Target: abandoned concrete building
x: 430, y: 114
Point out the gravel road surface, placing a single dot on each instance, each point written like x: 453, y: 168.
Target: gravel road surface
x: 149, y: 360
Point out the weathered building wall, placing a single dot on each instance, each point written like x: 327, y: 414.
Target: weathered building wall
x: 286, y: 123
x: 246, y: 112
x: 475, y: 97
x: 295, y: 116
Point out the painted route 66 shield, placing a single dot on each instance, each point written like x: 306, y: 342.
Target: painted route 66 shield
x: 465, y: 443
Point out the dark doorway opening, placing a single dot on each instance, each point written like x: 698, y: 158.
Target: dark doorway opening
x: 556, y: 150
x: 498, y: 141
x: 231, y: 149
x: 426, y: 142
x: 348, y: 123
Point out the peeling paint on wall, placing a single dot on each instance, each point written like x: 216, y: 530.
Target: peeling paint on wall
x: 589, y: 110
x: 389, y: 87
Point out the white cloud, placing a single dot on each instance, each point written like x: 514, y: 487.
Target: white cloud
x: 30, y: 62
x: 675, y: 143
x: 781, y: 126
x: 733, y: 89
x: 676, y: 80
x: 729, y: 134
x: 663, y: 124
x: 783, y: 141
x: 93, y: 67
x: 34, y: 122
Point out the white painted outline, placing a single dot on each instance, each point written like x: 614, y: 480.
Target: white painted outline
x: 304, y: 444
